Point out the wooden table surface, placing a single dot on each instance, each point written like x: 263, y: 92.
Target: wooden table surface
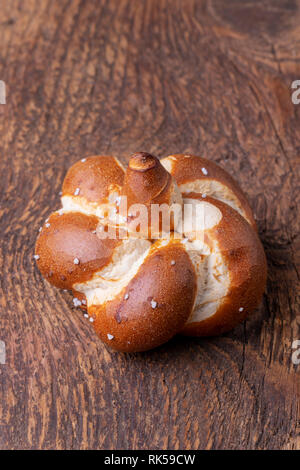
x: 87, y: 77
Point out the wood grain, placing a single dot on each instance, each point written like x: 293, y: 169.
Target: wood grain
x: 114, y: 77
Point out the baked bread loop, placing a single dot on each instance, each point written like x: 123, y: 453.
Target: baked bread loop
x: 202, y: 176
x: 93, y: 185
x: 153, y: 304
x: 69, y: 250
x: 230, y: 266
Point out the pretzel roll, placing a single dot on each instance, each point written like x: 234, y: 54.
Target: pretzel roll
x: 139, y: 294
x: 92, y: 185
x: 230, y: 265
x: 202, y: 176
x: 149, y: 304
x: 69, y: 250
x: 147, y: 184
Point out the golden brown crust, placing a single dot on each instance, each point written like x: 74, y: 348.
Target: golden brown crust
x: 244, y: 256
x: 188, y: 168
x: 93, y: 177
x: 134, y: 323
x: 69, y: 250
x: 145, y: 179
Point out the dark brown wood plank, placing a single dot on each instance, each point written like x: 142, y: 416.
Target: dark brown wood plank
x: 91, y: 77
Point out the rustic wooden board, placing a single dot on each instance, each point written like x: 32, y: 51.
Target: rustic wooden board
x: 89, y: 77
